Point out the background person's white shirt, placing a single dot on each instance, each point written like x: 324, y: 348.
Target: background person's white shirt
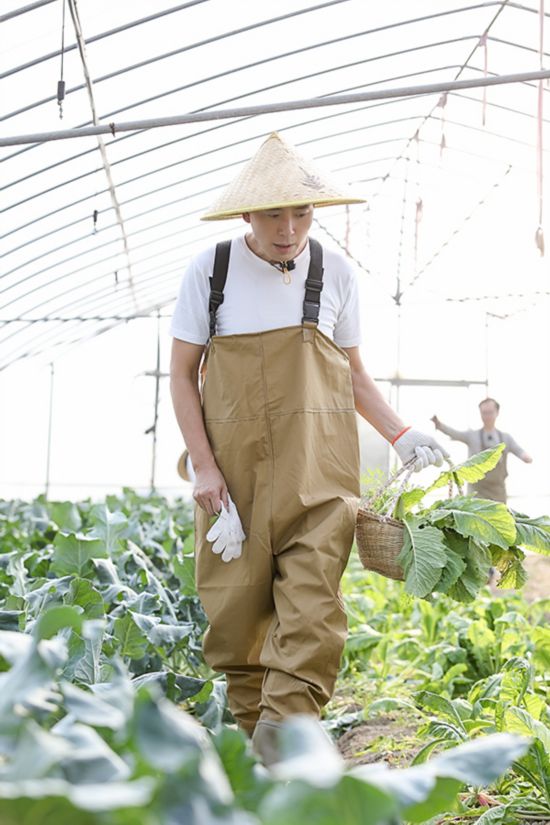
x: 256, y: 299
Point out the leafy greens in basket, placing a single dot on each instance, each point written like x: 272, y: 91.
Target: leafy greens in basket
x: 450, y: 545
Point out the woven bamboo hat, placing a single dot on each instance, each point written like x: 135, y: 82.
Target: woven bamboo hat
x: 185, y: 468
x: 275, y: 177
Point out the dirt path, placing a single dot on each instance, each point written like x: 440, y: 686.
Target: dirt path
x: 390, y: 738
x: 538, y: 581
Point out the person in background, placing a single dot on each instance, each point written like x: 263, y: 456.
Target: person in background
x: 493, y: 486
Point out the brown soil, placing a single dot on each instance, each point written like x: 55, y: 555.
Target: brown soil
x: 387, y: 739
x: 538, y: 581
x: 391, y: 738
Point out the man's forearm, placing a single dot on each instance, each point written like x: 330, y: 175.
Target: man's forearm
x: 188, y: 410
x: 371, y: 405
x: 456, y: 435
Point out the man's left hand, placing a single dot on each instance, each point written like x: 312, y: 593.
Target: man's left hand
x: 423, y: 449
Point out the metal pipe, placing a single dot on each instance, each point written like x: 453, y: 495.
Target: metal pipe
x: 151, y: 17
x: 24, y: 9
x: 270, y: 108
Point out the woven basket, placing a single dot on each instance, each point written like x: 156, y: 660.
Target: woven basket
x: 379, y: 542
x: 379, y: 537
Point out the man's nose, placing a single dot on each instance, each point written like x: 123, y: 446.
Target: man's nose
x: 286, y: 226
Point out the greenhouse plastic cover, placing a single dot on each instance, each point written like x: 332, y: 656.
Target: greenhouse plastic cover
x: 92, y: 239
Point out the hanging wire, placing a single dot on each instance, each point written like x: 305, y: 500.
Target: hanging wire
x: 61, y: 82
x: 539, y: 234
x: 419, y: 204
x: 404, y: 205
x: 483, y: 44
x: 501, y: 6
x: 481, y: 202
x: 101, y: 144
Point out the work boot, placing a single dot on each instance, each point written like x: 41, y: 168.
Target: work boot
x: 265, y: 741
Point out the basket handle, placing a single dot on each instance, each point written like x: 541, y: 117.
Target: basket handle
x: 406, y: 470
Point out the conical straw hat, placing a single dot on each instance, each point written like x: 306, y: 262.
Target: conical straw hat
x: 275, y: 177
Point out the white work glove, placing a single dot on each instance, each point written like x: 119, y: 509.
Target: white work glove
x: 424, y: 449
x: 227, y: 533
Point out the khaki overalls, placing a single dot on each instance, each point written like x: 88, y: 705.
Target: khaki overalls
x: 280, y: 416
x: 493, y: 486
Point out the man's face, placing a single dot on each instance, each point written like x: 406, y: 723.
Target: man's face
x: 279, y: 234
x: 488, y: 412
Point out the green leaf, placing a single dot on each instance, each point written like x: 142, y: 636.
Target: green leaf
x: 90, y: 709
x: 184, y: 568
x: 509, y: 564
x: 517, y: 720
x: 84, y: 594
x: 167, y: 737
x: 84, y: 660
x: 91, y: 759
x: 65, y: 514
x: 535, y: 767
x: 106, y: 796
x: 131, y: 641
x: 473, y: 469
x: 108, y: 526
x: 516, y: 678
x: 453, y: 569
x: 177, y: 687
x: 482, y: 760
x: 422, y: 557
x: 240, y: 766
x: 541, y: 654
x: 442, y: 706
x: 440, y: 799
x: 28, y: 684
x: 482, y: 647
x: 485, y: 521
x: 408, y: 500
x: 73, y: 554
x: 36, y: 752
x: 351, y: 801
x: 55, y: 620
x: 533, y: 533
x: 159, y: 634
x: 388, y: 704
x: 535, y: 706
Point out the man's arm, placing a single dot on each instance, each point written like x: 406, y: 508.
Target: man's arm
x: 369, y: 401
x: 456, y: 435
x: 514, y: 448
x: 210, y: 487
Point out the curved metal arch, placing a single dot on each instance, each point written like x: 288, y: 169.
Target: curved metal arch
x: 44, y: 169
x: 206, y: 42
x: 96, y: 278
x: 163, y: 205
x: 101, y: 36
x: 158, y: 147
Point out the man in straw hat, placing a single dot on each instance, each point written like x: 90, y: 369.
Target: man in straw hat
x: 270, y: 320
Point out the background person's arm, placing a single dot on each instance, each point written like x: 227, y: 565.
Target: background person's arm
x: 210, y: 487
x: 518, y: 451
x: 456, y: 435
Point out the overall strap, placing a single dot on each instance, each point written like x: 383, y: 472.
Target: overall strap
x: 217, y: 282
x: 314, y: 284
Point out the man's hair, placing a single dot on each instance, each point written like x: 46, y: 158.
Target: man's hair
x: 485, y: 400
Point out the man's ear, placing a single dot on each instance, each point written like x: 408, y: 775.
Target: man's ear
x: 246, y: 217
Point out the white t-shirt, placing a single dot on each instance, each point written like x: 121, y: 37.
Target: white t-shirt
x: 256, y: 299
